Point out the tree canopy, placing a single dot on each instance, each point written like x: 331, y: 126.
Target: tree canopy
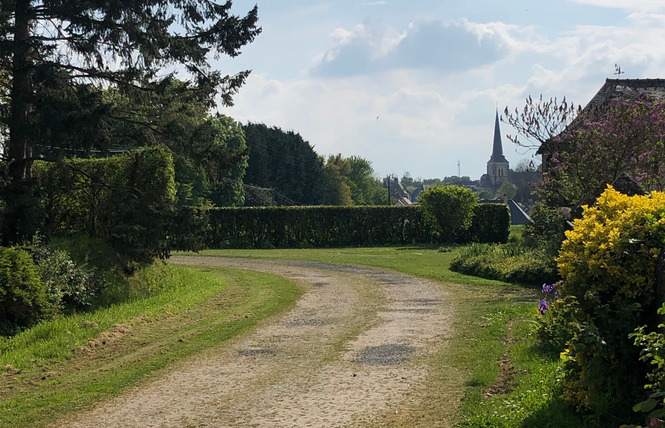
x: 50, y: 48
x: 625, y: 137
x: 62, y: 62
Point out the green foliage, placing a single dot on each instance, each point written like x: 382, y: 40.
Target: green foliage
x: 490, y: 223
x: 366, y: 189
x: 450, y: 208
x: 608, y: 265
x: 21, y: 213
x: 289, y: 227
x: 547, y: 231
x: 506, y: 262
x: 23, y: 296
x: 283, y: 161
x: 70, y: 287
x: 508, y: 189
x: 127, y: 200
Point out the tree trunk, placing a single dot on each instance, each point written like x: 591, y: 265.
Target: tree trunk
x: 20, y: 149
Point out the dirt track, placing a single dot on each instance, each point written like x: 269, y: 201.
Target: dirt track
x: 352, y: 349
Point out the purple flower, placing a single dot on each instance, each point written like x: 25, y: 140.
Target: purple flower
x: 543, y: 307
x: 548, y: 288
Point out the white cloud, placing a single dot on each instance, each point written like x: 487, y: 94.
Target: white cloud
x: 434, y: 45
x: 648, y: 5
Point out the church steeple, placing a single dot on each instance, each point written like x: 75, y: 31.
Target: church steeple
x: 498, y: 167
x: 497, y: 147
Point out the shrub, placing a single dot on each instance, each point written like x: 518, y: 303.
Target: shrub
x: 70, y: 287
x: 547, y: 231
x: 23, y: 296
x: 450, y: 208
x: 608, y: 269
x: 507, y: 262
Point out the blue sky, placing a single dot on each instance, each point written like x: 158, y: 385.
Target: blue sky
x: 433, y: 72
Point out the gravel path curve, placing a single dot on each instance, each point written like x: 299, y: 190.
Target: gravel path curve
x: 352, y: 348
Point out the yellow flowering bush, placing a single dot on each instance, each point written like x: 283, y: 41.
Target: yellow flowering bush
x: 607, y: 266
x: 614, y: 247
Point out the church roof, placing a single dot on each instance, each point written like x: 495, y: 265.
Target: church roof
x: 497, y: 147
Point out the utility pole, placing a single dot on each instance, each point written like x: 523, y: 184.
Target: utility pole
x: 459, y: 171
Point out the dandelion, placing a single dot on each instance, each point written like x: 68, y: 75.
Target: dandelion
x: 543, y: 307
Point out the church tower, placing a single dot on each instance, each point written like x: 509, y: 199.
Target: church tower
x: 497, y: 166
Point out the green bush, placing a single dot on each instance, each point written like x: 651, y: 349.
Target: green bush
x: 23, y: 297
x: 547, y: 231
x: 490, y: 223
x: 70, y: 287
x: 450, y: 208
x: 608, y: 289
x: 505, y: 262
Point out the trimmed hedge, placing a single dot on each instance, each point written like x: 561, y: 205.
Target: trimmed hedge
x: 491, y: 223
x: 333, y: 226
x: 126, y: 200
x: 328, y: 226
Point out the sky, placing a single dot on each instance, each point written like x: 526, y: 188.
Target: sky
x: 414, y: 85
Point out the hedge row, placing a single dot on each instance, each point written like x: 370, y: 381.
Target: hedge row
x: 126, y: 200
x: 316, y: 227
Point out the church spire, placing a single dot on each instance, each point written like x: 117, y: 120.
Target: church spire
x: 497, y: 147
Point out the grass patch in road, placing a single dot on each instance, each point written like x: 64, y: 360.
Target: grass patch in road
x: 495, y: 321
x: 68, y: 364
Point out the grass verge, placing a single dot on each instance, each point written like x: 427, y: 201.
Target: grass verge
x: 492, y: 359
x: 65, y: 365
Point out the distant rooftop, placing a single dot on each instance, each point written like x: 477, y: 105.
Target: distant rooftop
x: 627, y: 90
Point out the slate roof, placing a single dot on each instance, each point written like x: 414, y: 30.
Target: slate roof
x: 627, y: 90
x: 613, y: 89
x: 517, y: 214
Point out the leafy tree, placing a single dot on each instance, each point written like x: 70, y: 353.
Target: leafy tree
x: 457, y: 181
x: 625, y: 137
x: 283, y: 161
x: 52, y: 50
x: 337, y: 189
x: 507, y: 188
x: 366, y: 189
x: 451, y: 208
x: 539, y: 120
x: 209, y: 151
x: 408, y: 181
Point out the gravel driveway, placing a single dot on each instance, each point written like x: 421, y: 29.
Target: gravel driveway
x: 353, y: 348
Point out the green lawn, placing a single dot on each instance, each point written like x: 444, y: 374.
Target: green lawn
x: 67, y: 364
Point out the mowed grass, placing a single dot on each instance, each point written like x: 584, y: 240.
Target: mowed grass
x: 492, y: 360
x: 66, y: 365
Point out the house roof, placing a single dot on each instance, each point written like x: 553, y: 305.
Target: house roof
x: 612, y: 90
x: 627, y: 90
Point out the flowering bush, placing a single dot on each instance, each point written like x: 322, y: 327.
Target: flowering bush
x: 608, y: 288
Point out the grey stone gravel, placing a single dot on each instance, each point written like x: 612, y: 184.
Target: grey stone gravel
x: 384, y: 355
x: 255, y: 352
x: 304, y: 322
